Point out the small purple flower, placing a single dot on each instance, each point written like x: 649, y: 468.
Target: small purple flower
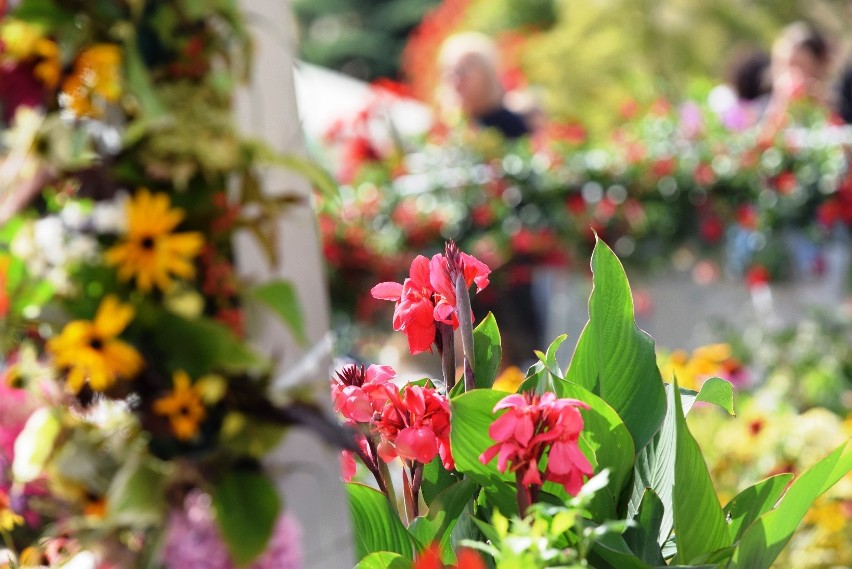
x: 192, y: 538
x: 284, y: 550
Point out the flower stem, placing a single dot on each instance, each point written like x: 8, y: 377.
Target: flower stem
x: 523, y: 495
x: 416, y: 482
x: 385, y: 474
x: 465, y: 316
x: 371, y: 465
x: 407, y: 494
x: 448, y: 354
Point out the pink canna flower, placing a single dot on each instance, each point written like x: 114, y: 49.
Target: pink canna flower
x: 415, y: 425
x: 414, y: 306
x: 530, y: 426
x: 443, y: 272
x: 428, y: 295
x: 358, y: 393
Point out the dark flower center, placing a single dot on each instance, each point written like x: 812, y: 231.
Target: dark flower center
x: 147, y: 243
x: 96, y: 344
x: 184, y: 411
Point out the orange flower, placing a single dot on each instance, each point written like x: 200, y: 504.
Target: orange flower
x: 183, y: 406
x: 96, y: 79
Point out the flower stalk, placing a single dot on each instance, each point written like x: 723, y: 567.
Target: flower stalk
x: 447, y: 350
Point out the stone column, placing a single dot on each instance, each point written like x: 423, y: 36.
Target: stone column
x: 307, y: 471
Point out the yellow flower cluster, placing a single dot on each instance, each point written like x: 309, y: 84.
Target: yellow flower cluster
x: 693, y: 369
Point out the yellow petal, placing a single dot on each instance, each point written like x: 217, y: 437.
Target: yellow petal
x: 112, y: 317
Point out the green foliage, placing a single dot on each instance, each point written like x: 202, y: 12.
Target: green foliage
x: 753, y: 502
x: 136, y: 494
x: 765, y: 538
x: 642, y: 537
x: 206, y: 345
x: 487, y: 351
x: 375, y: 524
x: 471, y: 417
x: 698, y: 518
x: 444, y: 513
x: 614, y: 358
x: 384, y: 560
x: 280, y: 296
x: 360, y: 38
x: 247, y: 507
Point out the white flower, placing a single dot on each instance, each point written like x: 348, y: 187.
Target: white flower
x: 49, y: 235
x: 111, y: 216
x: 73, y: 216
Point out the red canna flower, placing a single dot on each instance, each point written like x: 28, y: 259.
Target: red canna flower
x: 430, y: 558
x: 413, y: 314
x: 428, y: 295
x: 415, y: 425
x: 443, y: 271
x: 360, y: 393
x: 531, y: 425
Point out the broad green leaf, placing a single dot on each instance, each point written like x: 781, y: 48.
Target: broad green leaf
x: 444, y: 513
x: 614, y: 358
x: 611, y: 551
x: 654, y: 469
x: 280, y: 296
x: 436, y: 479
x: 136, y: 495
x: 472, y: 415
x: 376, y: 525
x: 698, y: 518
x: 642, y: 537
x: 606, y: 443
x: 247, y: 507
x: 655, y: 464
x: 719, y: 392
x: 384, y: 560
x: 753, y: 502
x: 202, y: 346
x: 765, y: 538
x: 487, y: 352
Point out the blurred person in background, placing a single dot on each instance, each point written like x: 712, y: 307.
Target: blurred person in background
x: 469, y: 64
x: 801, y: 60
x: 742, y: 101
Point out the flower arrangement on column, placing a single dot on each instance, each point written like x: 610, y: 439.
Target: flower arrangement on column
x: 134, y: 413
x: 593, y: 466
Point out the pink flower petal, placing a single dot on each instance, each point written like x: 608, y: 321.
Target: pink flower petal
x: 387, y: 291
x: 418, y: 444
